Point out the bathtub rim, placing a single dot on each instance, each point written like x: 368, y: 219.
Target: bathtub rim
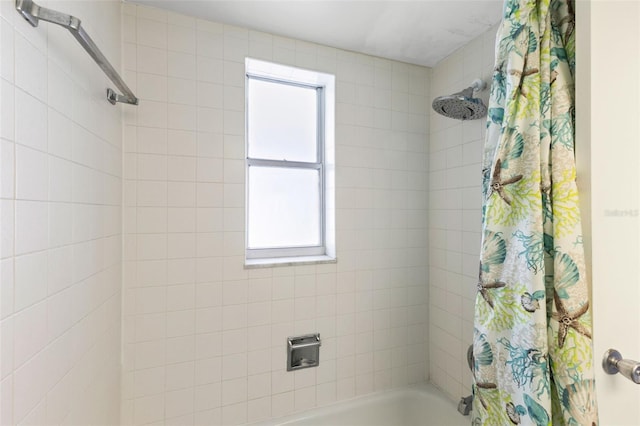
x: 425, y: 388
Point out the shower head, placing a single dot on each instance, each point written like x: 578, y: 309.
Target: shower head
x: 462, y: 105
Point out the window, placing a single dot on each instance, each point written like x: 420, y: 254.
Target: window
x: 290, y: 191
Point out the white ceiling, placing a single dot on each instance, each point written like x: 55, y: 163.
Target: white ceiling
x: 420, y: 32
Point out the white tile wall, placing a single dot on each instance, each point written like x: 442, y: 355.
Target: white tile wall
x: 60, y: 209
x: 204, y: 338
x: 455, y: 203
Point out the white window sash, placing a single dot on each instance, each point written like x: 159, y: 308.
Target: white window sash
x: 281, y: 252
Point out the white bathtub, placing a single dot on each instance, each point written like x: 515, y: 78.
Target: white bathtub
x: 416, y: 406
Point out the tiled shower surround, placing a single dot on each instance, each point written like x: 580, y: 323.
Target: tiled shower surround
x: 455, y: 200
x: 60, y: 215
x: 204, y: 338
x: 201, y: 339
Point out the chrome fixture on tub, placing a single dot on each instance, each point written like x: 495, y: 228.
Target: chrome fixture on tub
x: 466, y: 402
x: 465, y: 405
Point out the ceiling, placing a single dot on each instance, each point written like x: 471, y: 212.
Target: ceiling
x: 420, y: 31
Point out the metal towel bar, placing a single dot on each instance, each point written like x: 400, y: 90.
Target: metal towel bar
x: 34, y: 13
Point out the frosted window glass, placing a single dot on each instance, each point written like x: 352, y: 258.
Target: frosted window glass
x: 284, y: 207
x: 282, y: 121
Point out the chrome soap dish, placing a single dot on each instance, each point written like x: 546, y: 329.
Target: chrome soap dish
x: 303, y: 351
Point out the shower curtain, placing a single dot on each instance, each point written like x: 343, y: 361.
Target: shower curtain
x: 532, y: 333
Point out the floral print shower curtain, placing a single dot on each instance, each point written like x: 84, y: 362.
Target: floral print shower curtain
x: 532, y: 338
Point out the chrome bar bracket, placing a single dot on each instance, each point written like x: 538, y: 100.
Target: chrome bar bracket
x: 34, y: 14
x: 29, y: 11
x: 114, y: 98
x: 613, y: 363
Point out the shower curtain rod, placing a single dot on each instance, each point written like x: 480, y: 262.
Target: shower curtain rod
x: 34, y: 13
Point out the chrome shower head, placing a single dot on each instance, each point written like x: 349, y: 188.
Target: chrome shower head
x: 462, y: 105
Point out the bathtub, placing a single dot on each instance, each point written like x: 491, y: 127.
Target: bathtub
x: 420, y: 405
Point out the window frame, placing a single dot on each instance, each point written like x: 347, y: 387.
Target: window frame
x: 325, y: 250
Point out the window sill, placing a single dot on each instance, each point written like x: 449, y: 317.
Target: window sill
x: 288, y: 261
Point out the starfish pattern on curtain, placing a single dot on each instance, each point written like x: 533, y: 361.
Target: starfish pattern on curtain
x: 533, y: 362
